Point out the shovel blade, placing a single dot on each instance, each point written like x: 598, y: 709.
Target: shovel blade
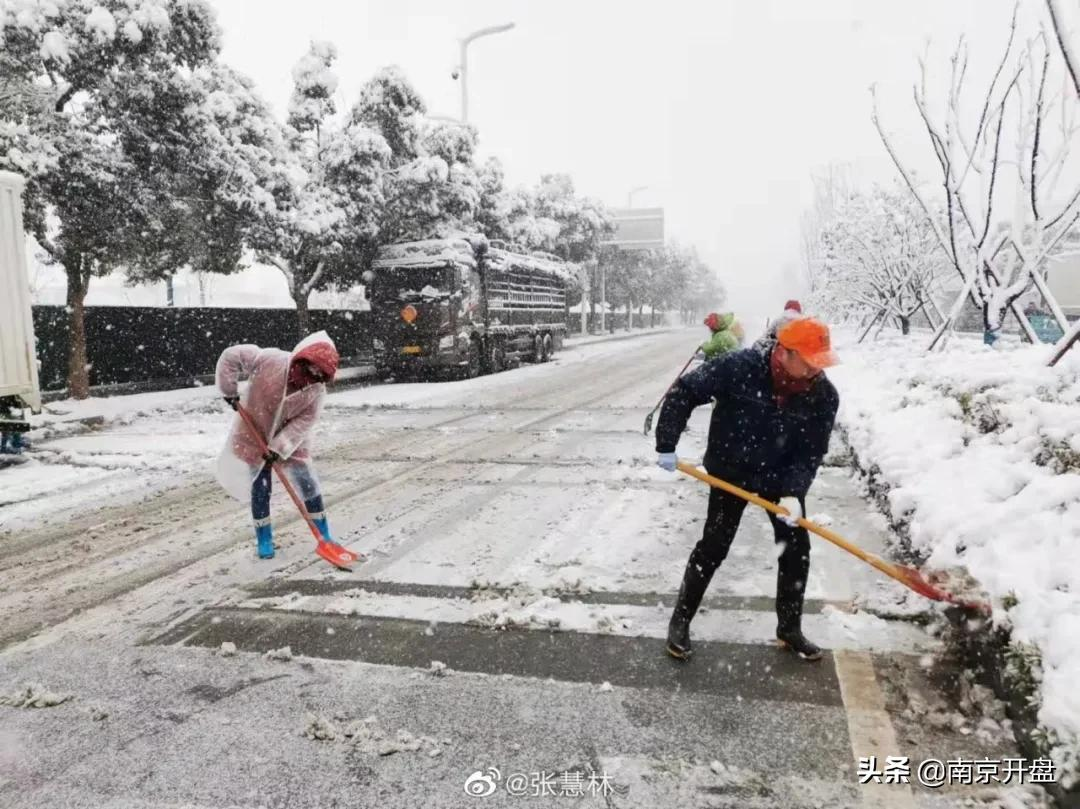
x: 915, y: 580
x: 648, y: 422
x: 337, y: 555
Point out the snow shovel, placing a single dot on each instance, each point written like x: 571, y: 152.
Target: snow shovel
x: 649, y: 418
x: 907, y: 576
x: 330, y: 551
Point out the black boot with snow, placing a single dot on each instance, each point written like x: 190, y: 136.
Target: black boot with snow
x: 695, y: 579
x: 795, y: 641
x: 791, y: 578
x: 678, y: 637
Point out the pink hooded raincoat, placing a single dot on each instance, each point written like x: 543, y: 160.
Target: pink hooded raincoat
x: 287, y: 419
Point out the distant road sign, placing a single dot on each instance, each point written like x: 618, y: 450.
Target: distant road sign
x: 638, y: 228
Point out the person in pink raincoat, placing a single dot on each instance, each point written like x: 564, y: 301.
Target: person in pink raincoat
x: 284, y: 398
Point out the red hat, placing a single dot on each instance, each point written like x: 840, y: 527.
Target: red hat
x: 793, y: 305
x: 712, y: 320
x: 323, y: 355
x: 809, y: 338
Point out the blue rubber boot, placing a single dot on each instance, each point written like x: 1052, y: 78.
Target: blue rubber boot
x: 265, y: 536
x: 314, y: 508
x: 323, y: 526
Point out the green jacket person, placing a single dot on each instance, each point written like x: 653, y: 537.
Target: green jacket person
x: 726, y: 335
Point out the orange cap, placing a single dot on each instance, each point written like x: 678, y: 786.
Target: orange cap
x: 809, y: 338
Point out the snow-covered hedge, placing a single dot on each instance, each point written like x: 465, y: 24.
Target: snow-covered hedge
x: 980, y: 451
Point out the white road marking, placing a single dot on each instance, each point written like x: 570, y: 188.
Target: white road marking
x: 869, y: 726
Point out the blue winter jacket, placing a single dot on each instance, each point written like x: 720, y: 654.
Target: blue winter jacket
x: 753, y: 442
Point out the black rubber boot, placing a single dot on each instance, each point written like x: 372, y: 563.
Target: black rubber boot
x: 678, y: 637
x: 791, y: 575
x: 795, y: 641
x: 696, y: 579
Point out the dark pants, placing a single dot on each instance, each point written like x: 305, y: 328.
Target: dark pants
x: 721, y: 524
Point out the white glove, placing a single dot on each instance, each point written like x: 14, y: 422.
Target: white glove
x: 667, y: 460
x: 794, y: 510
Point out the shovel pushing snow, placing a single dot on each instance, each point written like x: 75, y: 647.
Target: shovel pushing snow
x: 907, y: 576
x: 330, y: 551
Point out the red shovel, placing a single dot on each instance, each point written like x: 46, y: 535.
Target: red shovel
x: 907, y: 576
x: 330, y: 551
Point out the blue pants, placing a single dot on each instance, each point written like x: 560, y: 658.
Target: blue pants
x: 263, y: 484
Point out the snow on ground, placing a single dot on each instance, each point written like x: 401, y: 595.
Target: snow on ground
x: 86, y: 452
x: 531, y: 609
x: 980, y: 449
x: 107, y: 448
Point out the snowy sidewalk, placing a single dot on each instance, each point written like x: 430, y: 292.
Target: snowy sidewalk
x: 977, y: 451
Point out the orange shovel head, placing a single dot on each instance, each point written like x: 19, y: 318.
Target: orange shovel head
x: 336, y: 555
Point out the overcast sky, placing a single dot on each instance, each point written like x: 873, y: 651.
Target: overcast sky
x: 723, y: 109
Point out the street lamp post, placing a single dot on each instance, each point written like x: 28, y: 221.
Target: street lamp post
x: 630, y: 195
x: 463, y: 67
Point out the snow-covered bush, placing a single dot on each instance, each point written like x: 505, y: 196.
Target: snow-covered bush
x: 990, y: 485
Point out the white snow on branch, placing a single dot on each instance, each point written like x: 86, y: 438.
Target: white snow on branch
x: 101, y: 24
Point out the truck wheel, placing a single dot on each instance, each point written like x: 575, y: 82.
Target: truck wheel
x: 547, y: 348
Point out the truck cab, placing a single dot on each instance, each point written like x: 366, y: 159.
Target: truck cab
x: 464, y: 307
x: 424, y: 297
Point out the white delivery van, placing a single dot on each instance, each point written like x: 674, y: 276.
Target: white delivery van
x: 18, y: 361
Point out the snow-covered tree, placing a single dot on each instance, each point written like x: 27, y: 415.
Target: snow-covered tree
x: 433, y: 188
x: 67, y: 70
x: 878, y: 259
x: 583, y: 222
x: 832, y: 184
x: 1003, y: 155
x: 493, y: 212
x: 327, y: 187
x: 212, y: 182
x: 1069, y: 43
x: 390, y: 105
x: 438, y: 192
x: 670, y: 278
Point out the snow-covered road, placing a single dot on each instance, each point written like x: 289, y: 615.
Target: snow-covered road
x: 517, y: 533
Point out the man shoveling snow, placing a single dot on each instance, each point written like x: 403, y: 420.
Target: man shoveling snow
x: 284, y: 398
x: 769, y: 433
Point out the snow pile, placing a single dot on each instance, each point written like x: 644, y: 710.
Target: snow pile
x: 521, y: 608
x: 283, y: 655
x: 97, y: 713
x: 977, y: 455
x: 33, y: 695
x: 368, y: 737
x: 319, y: 728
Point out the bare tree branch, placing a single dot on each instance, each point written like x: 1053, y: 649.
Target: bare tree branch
x: 1038, y: 131
x: 1067, y: 53
x: 315, y: 276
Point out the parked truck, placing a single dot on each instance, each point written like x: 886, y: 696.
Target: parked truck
x: 19, y: 389
x: 465, y: 307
